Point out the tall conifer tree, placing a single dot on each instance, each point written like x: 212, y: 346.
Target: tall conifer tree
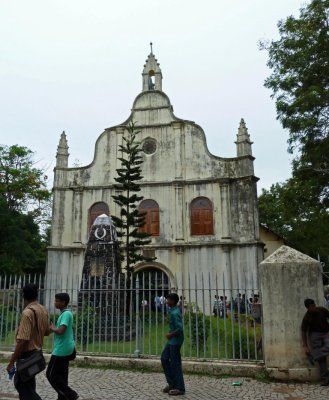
x: 130, y: 221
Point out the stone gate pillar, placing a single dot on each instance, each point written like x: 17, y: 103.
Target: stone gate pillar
x: 287, y: 277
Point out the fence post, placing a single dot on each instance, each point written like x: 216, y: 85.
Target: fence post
x: 287, y: 277
x: 137, y: 351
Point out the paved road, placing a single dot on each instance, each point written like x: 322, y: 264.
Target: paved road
x: 96, y: 384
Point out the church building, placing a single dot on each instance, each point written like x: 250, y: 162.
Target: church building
x: 201, y: 209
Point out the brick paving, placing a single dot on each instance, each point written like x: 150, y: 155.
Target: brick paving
x: 97, y: 384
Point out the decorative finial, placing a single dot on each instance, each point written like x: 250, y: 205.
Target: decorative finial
x: 151, y: 44
x: 243, y: 130
x: 62, y: 152
x: 243, y: 140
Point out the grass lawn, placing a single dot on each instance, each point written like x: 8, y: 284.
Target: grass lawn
x: 220, y: 339
x: 205, y: 338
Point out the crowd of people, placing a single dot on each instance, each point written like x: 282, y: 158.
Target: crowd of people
x: 222, y: 307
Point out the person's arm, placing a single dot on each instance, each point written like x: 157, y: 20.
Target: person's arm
x: 58, y: 331
x: 64, y: 323
x: 304, y: 328
x: 20, y: 346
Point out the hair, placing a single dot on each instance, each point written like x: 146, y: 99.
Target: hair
x: 308, y: 302
x: 63, y: 297
x: 30, y: 291
x: 174, y: 297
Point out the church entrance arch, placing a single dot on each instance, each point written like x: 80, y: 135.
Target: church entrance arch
x: 154, y: 284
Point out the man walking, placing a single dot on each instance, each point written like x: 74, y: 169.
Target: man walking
x: 64, y: 350
x: 32, y: 328
x: 315, y: 328
x: 171, y: 358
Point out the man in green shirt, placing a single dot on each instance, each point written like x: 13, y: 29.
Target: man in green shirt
x: 170, y: 357
x: 64, y: 350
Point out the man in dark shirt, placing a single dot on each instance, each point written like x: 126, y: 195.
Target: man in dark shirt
x: 315, y: 332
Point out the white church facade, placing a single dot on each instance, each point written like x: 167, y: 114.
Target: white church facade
x: 201, y: 208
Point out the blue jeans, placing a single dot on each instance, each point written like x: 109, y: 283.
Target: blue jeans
x: 172, y: 366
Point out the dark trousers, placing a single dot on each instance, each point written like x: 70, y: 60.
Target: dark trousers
x: 26, y: 390
x: 323, y: 368
x: 172, y: 366
x: 320, y: 350
x: 57, y: 375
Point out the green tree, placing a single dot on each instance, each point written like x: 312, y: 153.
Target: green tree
x: 22, y: 248
x: 23, y: 186
x: 294, y: 210
x: 24, y: 209
x: 299, y: 80
x: 300, y: 73
x: 130, y: 221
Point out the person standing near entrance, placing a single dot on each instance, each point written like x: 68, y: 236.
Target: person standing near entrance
x: 315, y: 330
x: 32, y: 328
x: 171, y: 358
x: 64, y: 350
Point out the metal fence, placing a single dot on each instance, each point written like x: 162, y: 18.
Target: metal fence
x: 121, y: 318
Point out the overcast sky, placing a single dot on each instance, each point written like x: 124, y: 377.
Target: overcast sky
x: 75, y: 65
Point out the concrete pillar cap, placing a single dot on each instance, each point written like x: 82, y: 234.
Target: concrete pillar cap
x: 286, y: 254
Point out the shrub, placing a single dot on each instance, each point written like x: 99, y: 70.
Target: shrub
x: 5, y: 320
x: 198, y: 325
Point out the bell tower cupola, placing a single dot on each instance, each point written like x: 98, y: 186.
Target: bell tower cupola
x: 152, y: 75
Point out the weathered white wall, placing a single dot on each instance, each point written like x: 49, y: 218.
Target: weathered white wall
x: 287, y: 277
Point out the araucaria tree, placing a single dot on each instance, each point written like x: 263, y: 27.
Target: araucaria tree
x: 128, y: 224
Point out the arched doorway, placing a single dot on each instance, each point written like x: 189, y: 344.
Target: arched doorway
x: 153, y: 286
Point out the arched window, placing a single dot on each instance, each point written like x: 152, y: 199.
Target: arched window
x: 202, y: 217
x: 151, y: 80
x: 152, y: 217
x: 96, y: 210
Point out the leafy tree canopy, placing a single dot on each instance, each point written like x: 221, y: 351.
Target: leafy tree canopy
x: 22, y: 248
x: 22, y: 185
x: 24, y: 209
x: 299, y: 61
x: 295, y: 211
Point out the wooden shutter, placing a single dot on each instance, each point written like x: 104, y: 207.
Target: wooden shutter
x: 152, y: 217
x: 201, y: 217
